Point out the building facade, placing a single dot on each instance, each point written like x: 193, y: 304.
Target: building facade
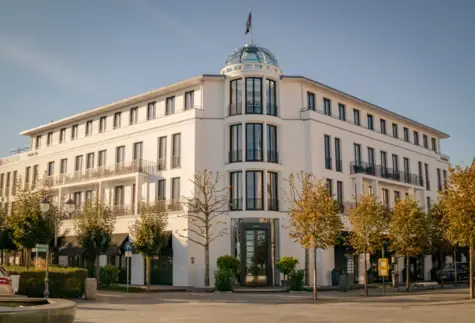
x: 253, y: 126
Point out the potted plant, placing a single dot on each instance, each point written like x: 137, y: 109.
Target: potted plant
x: 286, y: 265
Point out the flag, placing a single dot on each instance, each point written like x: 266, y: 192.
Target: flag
x: 248, y: 24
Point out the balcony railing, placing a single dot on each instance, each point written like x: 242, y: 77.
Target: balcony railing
x: 254, y: 155
x: 253, y: 108
x: 176, y: 161
x: 235, y: 156
x: 328, y: 163
x: 235, y: 109
x: 254, y: 204
x: 384, y: 172
x: 162, y: 163
x: 235, y: 204
x: 272, y: 109
x: 272, y: 204
x: 135, y: 166
x: 272, y: 156
x: 339, y: 165
x: 123, y: 209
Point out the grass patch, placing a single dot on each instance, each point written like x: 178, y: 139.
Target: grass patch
x: 123, y: 289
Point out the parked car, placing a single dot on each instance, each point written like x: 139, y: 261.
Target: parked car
x: 448, y: 272
x: 5, y: 282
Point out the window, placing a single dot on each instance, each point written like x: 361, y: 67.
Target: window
x: 35, y: 175
x: 397, y: 196
x: 356, y: 117
x: 50, y: 170
x: 271, y: 96
x: 370, y: 122
x: 89, y: 128
x: 102, y: 124
x: 253, y: 95
x: 8, y: 184
x: 89, y: 196
x: 339, y: 194
x: 329, y: 184
x: 77, y: 197
x: 235, y: 181
x: 426, y: 166
x: 176, y: 150
x: 119, y: 196
x: 254, y: 149
x: 406, y: 134
x: 78, y: 163
x: 170, y: 105
x: 151, y: 110
x: 117, y: 119
x: 425, y: 142
x: 189, y: 100
x: 416, y: 138
x: 311, y: 101
x: 272, y: 192
x: 434, y: 144
x: 327, y: 106
x: 49, y: 139
x: 254, y: 190
x: 371, y: 160
x: 138, y: 151
x: 38, y: 142
x: 439, y: 180
x: 14, y: 182
x: 63, y: 166
x: 120, y: 155
x: 395, y: 130
x: 235, y: 98
x: 2, y: 179
x: 235, y: 143
x: 328, y: 152
x: 272, y: 154
x: 428, y: 202
x: 421, y: 178
x: 357, y: 151
x: 161, y: 189
x: 101, y: 158
x: 134, y: 115
x: 384, y: 161
x: 370, y: 189
x: 382, y: 124
x: 407, y: 171
x: 62, y: 135
x: 175, y: 190
x: 341, y: 112
x: 27, y: 179
x: 90, y: 160
x: 338, y: 161
x: 162, y: 153
x: 445, y: 178
x: 386, y: 198
x: 74, y: 132
x: 395, y: 164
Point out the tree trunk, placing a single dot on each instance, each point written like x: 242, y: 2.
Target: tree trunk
x: 98, y: 271
x: 441, y: 268
x: 307, y: 268
x: 206, y: 265
x: 314, y: 273
x: 407, y: 273
x: 470, y: 274
x: 365, y: 275
x: 148, y: 263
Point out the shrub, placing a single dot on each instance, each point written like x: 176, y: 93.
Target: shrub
x: 286, y: 265
x: 108, y: 275
x: 63, y: 282
x: 297, y: 280
x: 228, y: 262
x: 223, y: 280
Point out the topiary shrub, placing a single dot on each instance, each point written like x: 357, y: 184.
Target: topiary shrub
x: 297, y: 280
x: 108, y: 275
x: 228, y: 262
x: 286, y: 265
x: 223, y: 280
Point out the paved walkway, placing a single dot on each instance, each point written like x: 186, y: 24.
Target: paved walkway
x: 431, y: 306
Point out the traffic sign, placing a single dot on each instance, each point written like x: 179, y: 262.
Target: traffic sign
x: 128, y: 246
x: 38, y: 250
x: 383, y: 267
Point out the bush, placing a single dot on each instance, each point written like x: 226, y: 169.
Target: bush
x: 63, y: 282
x: 297, y: 280
x: 223, y: 280
x: 108, y: 275
x: 286, y: 265
x: 228, y: 262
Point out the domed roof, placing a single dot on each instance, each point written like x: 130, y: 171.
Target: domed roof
x: 251, y: 53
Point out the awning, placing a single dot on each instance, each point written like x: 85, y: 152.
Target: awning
x: 71, y: 248
x: 115, y: 246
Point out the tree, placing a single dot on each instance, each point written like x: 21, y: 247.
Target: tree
x: 206, y: 209
x: 94, y: 227
x: 408, y: 230
x: 458, y: 200
x: 314, y: 220
x: 148, y: 232
x: 6, y: 233
x: 368, y: 223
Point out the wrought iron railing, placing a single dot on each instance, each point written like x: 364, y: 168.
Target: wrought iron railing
x: 358, y: 167
x: 235, y: 156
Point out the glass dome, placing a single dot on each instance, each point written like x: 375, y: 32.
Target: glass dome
x: 251, y: 53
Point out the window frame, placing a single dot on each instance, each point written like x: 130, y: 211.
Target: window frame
x: 311, y: 101
x: 151, y: 110
x: 170, y: 105
x: 255, y: 109
x: 356, y: 117
x: 254, y: 145
x: 341, y: 112
x: 255, y: 190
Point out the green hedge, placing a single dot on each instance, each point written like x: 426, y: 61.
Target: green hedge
x: 63, y: 282
x: 109, y: 275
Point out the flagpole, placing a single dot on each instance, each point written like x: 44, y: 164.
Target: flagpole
x: 250, y: 10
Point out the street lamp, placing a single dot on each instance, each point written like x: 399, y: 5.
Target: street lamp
x: 44, y: 206
x: 70, y: 206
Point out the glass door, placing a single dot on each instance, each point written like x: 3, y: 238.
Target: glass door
x: 256, y: 269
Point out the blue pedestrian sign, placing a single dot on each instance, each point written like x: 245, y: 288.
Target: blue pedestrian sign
x: 128, y: 246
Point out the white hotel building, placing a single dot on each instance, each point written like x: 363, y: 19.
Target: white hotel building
x: 254, y: 126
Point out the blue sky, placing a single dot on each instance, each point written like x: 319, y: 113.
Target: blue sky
x: 416, y: 58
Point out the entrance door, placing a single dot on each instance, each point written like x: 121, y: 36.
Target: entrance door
x: 256, y: 268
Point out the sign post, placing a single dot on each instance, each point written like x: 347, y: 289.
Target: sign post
x: 383, y: 269
x: 128, y: 256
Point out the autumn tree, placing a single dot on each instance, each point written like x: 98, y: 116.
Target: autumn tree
x: 94, y: 227
x: 368, y: 224
x: 6, y: 233
x: 408, y: 231
x: 206, y: 209
x: 314, y: 220
x: 458, y: 200
x: 148, y: 232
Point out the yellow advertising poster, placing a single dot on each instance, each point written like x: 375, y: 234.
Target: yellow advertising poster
x: 383, y: 268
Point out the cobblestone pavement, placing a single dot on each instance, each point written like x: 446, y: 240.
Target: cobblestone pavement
x: 425, y: 306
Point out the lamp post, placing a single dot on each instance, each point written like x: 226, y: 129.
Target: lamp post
x: 44, y: 206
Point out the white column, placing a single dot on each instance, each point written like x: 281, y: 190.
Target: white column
x: 138, y: 193
x: 102, y: 260
x: 99, y: 192
x: 427, y: 266
x: 137, y: 265
x: 359, y: 187
x: 376, y: 192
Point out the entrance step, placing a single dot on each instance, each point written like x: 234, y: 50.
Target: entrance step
x: 276, y: 289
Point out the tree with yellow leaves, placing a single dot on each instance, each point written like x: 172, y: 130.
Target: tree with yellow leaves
x: 408, y: 231
x: 458, y: 200
x: 369, y: 221
x: 314, y: 220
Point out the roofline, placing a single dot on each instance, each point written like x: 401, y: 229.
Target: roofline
x: 124, y: 102
x: 443, y: 135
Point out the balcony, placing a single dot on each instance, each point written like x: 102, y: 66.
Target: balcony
x: 135, y: 166
x: 253, y: 108
x: 235, y: 109
x: 254, y: 155
x: 235, y: 156
x: 254, y: 204
x: 176, y: 161
x: 272, y: 109
x: 235, y: 204
x: 162, y: 163
x: 272, y: 156
x: 384, y: 172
